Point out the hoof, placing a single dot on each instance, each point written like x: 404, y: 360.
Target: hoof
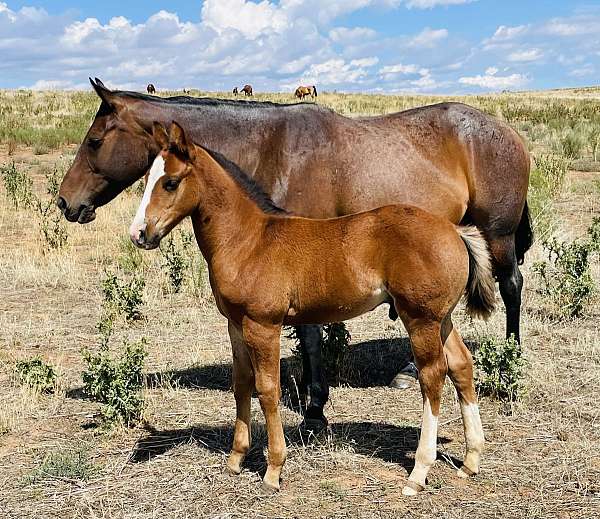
x: 465, y: 472
x: 406, y: 378
x: 412, y: 489
x: 269, y: 487
x: 233, y: 470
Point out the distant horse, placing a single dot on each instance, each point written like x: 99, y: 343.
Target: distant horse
x: 304, y: 91
x: 235, y: 91
x: 186, y: 91
x: 151, y: 89
x: 449, y: 159
x: 419, y: 263
x: 247, y: 90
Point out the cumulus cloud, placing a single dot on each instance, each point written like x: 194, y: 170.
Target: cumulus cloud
x: 277, y: 44
x: 491, y: 81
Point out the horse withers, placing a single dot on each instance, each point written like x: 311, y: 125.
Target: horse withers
x: 419, y: 263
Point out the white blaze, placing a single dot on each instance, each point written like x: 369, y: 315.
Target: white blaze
x: 156, y: 172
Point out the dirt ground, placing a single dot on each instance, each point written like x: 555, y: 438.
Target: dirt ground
x: 541, y: 460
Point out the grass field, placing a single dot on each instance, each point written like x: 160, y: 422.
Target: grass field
x: 542, y: 456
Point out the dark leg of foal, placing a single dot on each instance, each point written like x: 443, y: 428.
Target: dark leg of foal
x: 314, y: 382
x: 510, y: 281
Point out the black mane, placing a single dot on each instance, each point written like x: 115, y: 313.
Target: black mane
x: 206, y: 101
x: 248, y: 184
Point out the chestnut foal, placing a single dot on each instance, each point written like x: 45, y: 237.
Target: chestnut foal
x: 269, y: 269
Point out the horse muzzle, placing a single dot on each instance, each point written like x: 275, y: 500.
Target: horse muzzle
x: 142, y: 240
x: 85, y: 213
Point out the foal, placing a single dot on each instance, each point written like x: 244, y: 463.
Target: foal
x: 268, y: 269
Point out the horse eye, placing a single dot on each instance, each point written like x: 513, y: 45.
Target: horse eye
x: 171, y: 184
x: 94, y: 143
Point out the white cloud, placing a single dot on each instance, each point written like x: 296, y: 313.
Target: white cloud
x: 349, y: 35
x: 428, y: 37
x: 495, y: 82
x: 526, y: 55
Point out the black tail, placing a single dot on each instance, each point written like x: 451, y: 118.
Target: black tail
x: 315, y: 91
x: 524, y: 235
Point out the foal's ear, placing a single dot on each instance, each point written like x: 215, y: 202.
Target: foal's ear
x: 178, y: 141
x: 160, y: 135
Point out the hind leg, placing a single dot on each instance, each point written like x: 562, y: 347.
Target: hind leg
x: 430, y: 359
x: 510, y: 281
x: 313, y: 378
x: 460, y: 370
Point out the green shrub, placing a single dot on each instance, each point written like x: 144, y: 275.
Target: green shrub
x: 569, y: 142
x: 18, y: 186
x: 176, y: 262
x: 52, y: 224
x: 123, y: 297
x: 566, y: 277
x: 131, y: 259
x: 116, y: 382
x: 64, y: 464
x: 500, y: 367
x: 37, y: 375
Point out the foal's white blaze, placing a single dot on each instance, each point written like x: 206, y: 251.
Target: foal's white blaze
x: 426, y: 451
x: 156, y: 172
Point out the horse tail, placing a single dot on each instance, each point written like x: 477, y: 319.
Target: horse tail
x: 315, y: 91
x: 524, y: 235
x: 480, y: 291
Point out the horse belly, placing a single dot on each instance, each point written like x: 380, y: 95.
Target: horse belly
x: 337, y: 307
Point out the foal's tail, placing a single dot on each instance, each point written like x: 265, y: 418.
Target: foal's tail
x: 481, y: 287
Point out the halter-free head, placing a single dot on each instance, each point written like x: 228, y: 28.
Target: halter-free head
x: 170, y: 194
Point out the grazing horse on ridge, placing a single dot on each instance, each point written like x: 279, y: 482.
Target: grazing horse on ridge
x: 418, y: 263
x: 248, y: 90
x: 449, y: 159
x: 151, y: 89
x: 235, y: 91
x: 304, y: 91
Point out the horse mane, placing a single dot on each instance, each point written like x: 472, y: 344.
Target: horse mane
x: 252, y: 188
x: 204, y: 101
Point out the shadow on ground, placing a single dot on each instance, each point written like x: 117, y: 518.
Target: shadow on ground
x: 388, y: 442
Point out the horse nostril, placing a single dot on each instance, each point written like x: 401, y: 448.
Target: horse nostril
x: 142, y: 236
x: 61, y: 203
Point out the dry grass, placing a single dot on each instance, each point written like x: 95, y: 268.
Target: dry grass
x: 541, y: 461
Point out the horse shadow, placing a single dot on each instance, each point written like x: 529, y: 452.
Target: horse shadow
x: 390, y: 443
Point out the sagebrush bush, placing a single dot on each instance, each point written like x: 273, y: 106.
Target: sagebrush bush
x: 176, y: 262
x: 500, y: 368
x: 18, y: 186
x: 124, y: 297
x: 569, y: 142
x: 116, y: 381
x: 566, y: 276
x: 37, y: 375
x: 73, y: 465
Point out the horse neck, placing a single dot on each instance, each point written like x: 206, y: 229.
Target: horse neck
x: 228, y: 129
x: 226, y: 220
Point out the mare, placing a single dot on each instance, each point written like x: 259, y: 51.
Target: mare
x: 449, y: 159
x: 247, y: 90
x: 419, y: 263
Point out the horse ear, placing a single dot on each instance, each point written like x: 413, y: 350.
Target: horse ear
x: 108, y: 96
x: 160, y: 135
x: 178, y: 141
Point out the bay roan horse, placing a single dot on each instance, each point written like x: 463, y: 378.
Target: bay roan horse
x: 449, y: 159
x: 419, y: 263
x: 247, y: 90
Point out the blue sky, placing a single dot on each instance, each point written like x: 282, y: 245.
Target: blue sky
x: 421, y: 46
